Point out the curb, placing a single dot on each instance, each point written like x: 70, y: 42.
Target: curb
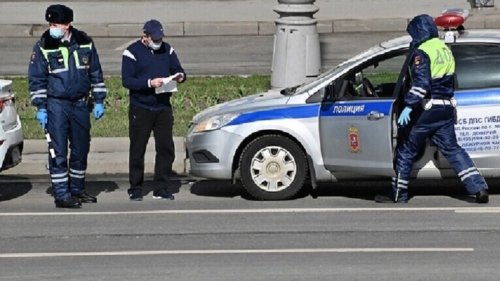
x: 107, y: 156
x: 99, y: 145
x: 187, y: 29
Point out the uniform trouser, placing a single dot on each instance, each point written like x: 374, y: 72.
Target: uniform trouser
x: 141, y: 123
x: 68, y: 120
x: 437, y: 124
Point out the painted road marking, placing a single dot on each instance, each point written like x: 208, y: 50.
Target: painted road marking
x: 259, y: 251
x: 259, y: 211
x: 478, y: 211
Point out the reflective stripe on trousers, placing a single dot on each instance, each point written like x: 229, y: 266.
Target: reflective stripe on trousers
x: 68, y: 121
x: 437, y: 124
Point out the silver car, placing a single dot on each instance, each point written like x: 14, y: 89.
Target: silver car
x: 11, y: 131
x: 343, y: 126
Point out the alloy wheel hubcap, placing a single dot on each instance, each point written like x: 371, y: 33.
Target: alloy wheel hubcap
x: 273, y: 169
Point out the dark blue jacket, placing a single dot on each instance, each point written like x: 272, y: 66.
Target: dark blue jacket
x: 426, y: 83
x: 140, y: 64
x: 66, y: 70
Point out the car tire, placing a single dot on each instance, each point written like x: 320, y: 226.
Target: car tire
x: 273, y: 167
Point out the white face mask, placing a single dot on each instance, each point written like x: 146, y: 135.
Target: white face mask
x: 154, y: 46
x: 56, y: 33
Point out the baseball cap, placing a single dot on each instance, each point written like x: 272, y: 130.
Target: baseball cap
x: 154, y: 29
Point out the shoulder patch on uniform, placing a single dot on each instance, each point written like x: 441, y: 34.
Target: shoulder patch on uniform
x: 33, y: 56
x: 128, y: 54
x: 171, y: 50
x: 417, y: 61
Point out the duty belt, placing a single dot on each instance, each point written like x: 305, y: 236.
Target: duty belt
x: 428, y: 103
x: 84, y: 98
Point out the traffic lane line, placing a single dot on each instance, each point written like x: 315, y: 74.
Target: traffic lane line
x: 479, y: 211
x: 251, y: 251
x: 261, y: 211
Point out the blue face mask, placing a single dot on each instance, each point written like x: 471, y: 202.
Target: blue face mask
x: 56, y: 33
x: 154, y: 46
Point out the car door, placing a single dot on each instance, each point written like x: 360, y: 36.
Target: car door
x: 478, y: 110
x: 358, y: 131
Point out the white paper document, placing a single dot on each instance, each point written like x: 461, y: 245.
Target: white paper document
x: 169, y: 85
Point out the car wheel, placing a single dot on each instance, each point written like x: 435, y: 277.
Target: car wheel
x: 273, y: 167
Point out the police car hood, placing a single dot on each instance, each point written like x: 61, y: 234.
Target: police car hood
x: 248, y: 103
x: 421, y: 28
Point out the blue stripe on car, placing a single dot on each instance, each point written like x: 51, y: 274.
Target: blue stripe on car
x: 356, y: 108
x: 478, y: 97
x: 289, y: 112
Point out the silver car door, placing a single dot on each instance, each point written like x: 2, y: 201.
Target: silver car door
x: 357, y: 136
x: 357, y: 120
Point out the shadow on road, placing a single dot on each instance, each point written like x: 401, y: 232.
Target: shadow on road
x: 364, y: 190
x: 211, y: 188
x: 93, y: 187
x: 12, y: 187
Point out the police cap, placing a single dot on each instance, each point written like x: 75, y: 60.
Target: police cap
x: 59, y: 14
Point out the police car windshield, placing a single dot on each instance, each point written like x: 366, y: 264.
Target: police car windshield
x: 339, y: 69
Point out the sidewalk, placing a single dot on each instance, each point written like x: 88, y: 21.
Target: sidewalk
x: 222, y: 17
x: 107, y: 156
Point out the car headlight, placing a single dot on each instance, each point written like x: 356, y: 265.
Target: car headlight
x: 215, y: 122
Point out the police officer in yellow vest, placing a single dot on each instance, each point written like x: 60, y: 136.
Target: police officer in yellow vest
x: 430, y: 113
x: 63, y: 70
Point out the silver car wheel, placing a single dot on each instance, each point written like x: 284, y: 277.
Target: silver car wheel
x: 273, y: 169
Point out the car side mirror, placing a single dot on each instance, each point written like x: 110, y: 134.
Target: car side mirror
x: 329, y: 92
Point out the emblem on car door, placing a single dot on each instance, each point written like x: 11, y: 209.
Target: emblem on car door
x: 354, y: 144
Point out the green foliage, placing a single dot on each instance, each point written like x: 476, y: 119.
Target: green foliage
x: 196, y: 94
x: 384, y: 77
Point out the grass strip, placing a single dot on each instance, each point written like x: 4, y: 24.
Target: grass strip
x: 196, y: 94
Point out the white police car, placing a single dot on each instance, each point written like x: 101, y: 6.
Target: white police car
x: 343, y: 124
x: 11, y: 132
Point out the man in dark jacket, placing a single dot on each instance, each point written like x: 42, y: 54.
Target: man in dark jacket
x: 64, y: 68
x: 430, y: 113
x: 145, y: 66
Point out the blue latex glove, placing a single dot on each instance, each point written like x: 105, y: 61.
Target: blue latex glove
x: 41, y: 116
x: 404, y: 118
x: 98, y: 111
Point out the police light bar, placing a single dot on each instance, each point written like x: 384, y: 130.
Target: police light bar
x: 452, y: 18
x: 452, y: 21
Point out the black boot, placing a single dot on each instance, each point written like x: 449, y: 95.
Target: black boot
x: 70, y: 203
x: 482, y: 197
x: 85, y: 197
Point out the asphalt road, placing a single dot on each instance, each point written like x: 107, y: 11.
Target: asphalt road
x: 213, y: 231
x: 208, y: 55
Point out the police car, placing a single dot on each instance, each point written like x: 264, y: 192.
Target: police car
x: 11, y: 132
x: 343, y: 124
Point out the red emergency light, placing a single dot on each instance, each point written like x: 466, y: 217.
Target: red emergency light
x: 452, y: 18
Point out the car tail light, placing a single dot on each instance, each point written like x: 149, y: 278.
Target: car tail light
x: 4, y: 100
